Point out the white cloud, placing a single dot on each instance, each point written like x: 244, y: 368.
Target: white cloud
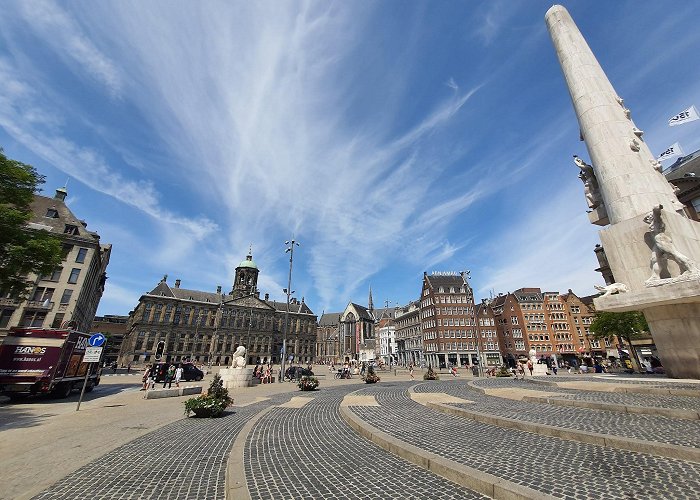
x: 69, y: 42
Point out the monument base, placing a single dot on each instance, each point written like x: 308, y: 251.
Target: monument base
x: 675, y: 329
x: 236, y: 377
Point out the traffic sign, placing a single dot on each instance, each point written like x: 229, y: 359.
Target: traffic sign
x: 92, y: 354
x: 96, y: 340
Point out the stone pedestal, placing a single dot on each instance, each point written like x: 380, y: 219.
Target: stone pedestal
x: 539, y: 369
x: 236, y: 377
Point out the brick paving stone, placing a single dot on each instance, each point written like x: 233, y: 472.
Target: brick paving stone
x: 630, y: 399
x: 631, y: 425
x: 310, y: 452
x: 565, y: 469
x: 658, y: 381
x: 185, y: 459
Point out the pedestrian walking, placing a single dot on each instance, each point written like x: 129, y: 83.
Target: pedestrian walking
x: 529, y: 366
x: 169, y: 376
x: 128, y: 368
x: 520, y: 372
x: 410, y: 371
x: 178, y: 375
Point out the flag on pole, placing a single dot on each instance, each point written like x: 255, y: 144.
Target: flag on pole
x: 689, y: 115
x: 671, y: 151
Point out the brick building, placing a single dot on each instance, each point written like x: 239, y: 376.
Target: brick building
x: 447, y: 319
x: 409, y: 335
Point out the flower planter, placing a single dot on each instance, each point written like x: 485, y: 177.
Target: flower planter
x: 206, y: 412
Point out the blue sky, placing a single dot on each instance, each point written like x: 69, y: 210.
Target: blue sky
x: 389, y: 137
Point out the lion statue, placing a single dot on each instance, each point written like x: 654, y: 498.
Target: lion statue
x: 239, y: 358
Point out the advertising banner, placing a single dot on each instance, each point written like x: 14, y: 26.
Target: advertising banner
x: 27, y: 360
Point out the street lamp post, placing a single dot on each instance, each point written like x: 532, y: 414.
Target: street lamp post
x: 289, y: 292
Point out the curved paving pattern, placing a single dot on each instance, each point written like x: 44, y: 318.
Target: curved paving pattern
x: 657, y: 381
x: 621, y: 398
x: 542, y: 463
x: 310, y: 452
x: 183, y: 460
x: 631, y: 425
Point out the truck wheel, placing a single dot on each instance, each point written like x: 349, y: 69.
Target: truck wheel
x: 199, y: 378
x: 89, y: 387
x: 64, y: 390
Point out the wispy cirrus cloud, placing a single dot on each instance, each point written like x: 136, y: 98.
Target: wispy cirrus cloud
x: 69, y: 41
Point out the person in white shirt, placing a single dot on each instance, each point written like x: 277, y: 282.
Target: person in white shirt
x: 178, y: 375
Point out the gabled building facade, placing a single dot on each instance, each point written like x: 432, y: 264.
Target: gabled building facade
x: 71, y: 293
x: 447, y: 319
x: 357, y: 332
x: 409, y: 335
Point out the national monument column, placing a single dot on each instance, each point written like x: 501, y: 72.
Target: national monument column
x: 651, y: 246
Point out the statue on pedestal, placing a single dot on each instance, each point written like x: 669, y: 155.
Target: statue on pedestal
x: 239, y: 356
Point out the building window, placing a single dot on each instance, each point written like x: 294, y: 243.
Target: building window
x: 54, y: 276
x: 71, y: 229
x: 57, y: 320
x: 41, y: 294
x: 5, y: 315
x: 65, y: 298
x: 82, y: 252
x: 33, y: 319
x: 52, y: 213
x: 73, y: 278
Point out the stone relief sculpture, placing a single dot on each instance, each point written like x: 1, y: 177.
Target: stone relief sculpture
x: 590, y: 183
x: 634, y: 145
x: 656, y: 164
x: 662, y: 249
x: 612, y: 289
x: 238, y: 360
x: 637, y: 132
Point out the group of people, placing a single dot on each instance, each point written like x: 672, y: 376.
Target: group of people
x: 263, y: 373
x: 170, y: 374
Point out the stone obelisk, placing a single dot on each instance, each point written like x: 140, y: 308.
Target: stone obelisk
x: 651, y: 246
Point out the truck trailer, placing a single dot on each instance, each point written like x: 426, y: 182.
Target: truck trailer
x: 45, y: 361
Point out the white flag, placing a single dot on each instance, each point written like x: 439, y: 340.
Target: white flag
x: 689, y: 115
x: 671, y: 151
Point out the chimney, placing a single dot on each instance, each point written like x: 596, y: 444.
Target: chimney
x: 83, y: 223
x: 61, y: 194
x: 177, y: 283
x: 267, y: 297
x: 218, y: 289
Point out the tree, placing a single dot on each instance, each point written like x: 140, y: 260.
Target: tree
x: 22, y: 251
x: 627, y: 325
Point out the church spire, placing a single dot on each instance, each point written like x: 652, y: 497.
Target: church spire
x: 370, y: 303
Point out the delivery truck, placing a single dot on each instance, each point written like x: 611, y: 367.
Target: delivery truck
x: 45, y: 361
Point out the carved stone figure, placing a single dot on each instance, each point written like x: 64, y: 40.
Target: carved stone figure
x: 590, y: 183
x: 239, y: 356
x: 612, y: 289
x: 634, y: 145
x: 656, y: 164
x: 662, y: 249
x: 637, y: 132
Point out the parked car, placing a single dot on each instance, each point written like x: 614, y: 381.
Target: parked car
x: 189, y: 371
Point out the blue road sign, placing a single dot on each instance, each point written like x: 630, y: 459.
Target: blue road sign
x: 96, y: 340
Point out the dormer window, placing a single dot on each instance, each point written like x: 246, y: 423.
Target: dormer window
x: 52, y: 213
x: 71, y: 229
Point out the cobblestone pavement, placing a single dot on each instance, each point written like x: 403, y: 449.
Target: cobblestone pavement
x: 183, y: 460
x: 542, y: 463
x: 631, y: 425
x: 310, y: 452
x: 629, y: 399
x: 621, y: 378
